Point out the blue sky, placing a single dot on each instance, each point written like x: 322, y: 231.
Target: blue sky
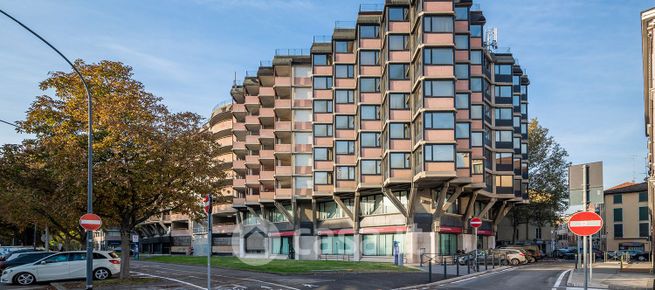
x: 583, y: 57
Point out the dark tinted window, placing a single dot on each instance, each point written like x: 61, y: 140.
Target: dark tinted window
x: 100, y: 256
x: 57, y: 258
x: 77, y: 257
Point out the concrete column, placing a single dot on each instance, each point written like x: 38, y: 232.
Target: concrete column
x: 434, y: 243
x: 357, y: 247
x: 296, y: 246
x: 468, y: 242
x: 492, y: 242
x: 267, y: 247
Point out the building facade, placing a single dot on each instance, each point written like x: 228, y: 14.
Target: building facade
x: 627, y: 218
x: 396, y: 129
x: 648, y: 55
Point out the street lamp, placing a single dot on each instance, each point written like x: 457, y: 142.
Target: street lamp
x: 89, y: 200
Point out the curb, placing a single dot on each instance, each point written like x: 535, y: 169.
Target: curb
x: 58, y: 286
x: 455, y: 279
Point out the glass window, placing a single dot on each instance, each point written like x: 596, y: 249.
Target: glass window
x: 337, y: 245
x: 399, y: 131
x: 369, y: 85
x: 370, y: 139
x: 439, y: 120
x: 618, y: 214
x: 476, y: 84
x: 437, y: 24
x: 462, y: 160
x: 344, y: 96
x: 57, y: 258
x: 461, y: 13
x: 399, y: 160
x: 438, y: 88
x: 370, y: 167
x: 369, y: 57
x: 345, y: 173
x: 322, y: 130
x: 461, y: 41
x: 322, y: 106
x: 303, y: 182
x: 476, y: 139
x: 462, y: 130
x: 462, y: 101
x: 448, y: 242
x: 476, y: 30
x: 398, y: 42
x: 618, y: 230
x: 476, y: 57
x: 302, y: 160
x: 342, y: 46
x: 643, y: 196
x: 503, y: 91
x: 438, y: 55
x: 344, y: 71
x: 369, y: 31
x: 476, y: 112
x: 322, y: 83
x: 504, y: 181
x: 321, y: 59
x: 344, y: 121
x: 503, y: 69
x: 398, y: 14
x: 398, y: 101
x: 370, y: 112
x: 503, y: 114
x: 439, y: 152
x: 462, y: 71
x: 644, y: 230
x: 322, y: 154
x: 617, y: 198
x: 643, y: 213
x: 477, y: 167
x: 302, y: 115
x: 504, y: 136
x: 302, y: 138
x: 345, y: 147
x: 398, y: 71
x: 322, y: 177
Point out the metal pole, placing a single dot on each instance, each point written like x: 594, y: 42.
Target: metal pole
x: 457, y: 264
x: 585, y: 257
x: 430, y: 270
x: 209, y: 243
x: 47, y: 238
x: 89, y: 200
x: 475, y: 233
x: 445, y: 267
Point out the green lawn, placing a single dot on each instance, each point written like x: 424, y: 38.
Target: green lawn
x: 282, y: 266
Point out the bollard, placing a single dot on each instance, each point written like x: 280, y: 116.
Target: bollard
x: 468, y: 264
x: 457, y: 264
x: 485, y: 261
x: 621, y: 263
x: 445, y: 269
x: 576, y: 261
x: 421, y: 261
x: 429, y: 270
x: 493, y: 261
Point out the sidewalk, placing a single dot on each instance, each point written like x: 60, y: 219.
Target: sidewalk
x: 609, y: 276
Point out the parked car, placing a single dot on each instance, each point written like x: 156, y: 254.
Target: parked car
x: 9, y: 255
x: 566, y: 253
x: 514, y: 256
x: 63, y: 266
x: 633, y: 254
x: 24, y: 259
x: 19, y: 254
x: 529, y: 254
x: 490, y: 255
x: 6, y: 250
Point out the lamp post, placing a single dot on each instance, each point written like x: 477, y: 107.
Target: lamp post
x: 89, y: 200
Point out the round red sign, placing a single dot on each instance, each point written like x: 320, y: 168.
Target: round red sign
x: 476, y: 222
x: 90, y: 222
x: 585, y: 223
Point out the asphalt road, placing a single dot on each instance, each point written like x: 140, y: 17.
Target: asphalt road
x: 542, y: 275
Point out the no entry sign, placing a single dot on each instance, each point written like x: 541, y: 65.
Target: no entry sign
x: 476, y: 222
x: 585, y: 223
x: 90, y: 222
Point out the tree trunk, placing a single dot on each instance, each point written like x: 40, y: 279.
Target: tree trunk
x: 125, y: 254
x: 514, y: 233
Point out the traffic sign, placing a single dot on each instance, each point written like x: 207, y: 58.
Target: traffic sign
x: 207, y: 204
x: 476, y: 222
x: 90, y: 222
x: 585, y: 223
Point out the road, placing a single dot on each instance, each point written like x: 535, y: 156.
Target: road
x: 542, y: 275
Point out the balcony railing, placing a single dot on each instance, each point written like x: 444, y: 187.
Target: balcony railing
x: 292, y: 52
x: 371, y: 7
x: 322, y: 39
x: 345, y: 24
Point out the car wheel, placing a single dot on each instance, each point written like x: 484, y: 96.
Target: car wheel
x: 531, y: 259
x: 461, y: 262
x: 515, y: 261
x: 101, y: 274
x: 504, y: 262
x: 24, y: 279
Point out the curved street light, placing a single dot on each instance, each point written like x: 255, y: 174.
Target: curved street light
x: 89, y: 201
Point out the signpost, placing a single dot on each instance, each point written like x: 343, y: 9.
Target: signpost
x: 207, y: 207
x: 585, y: 224
x: 475, y: 223
x: 90, y: 222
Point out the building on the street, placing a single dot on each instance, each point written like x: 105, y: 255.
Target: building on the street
x: 626, y: 217
x: 545, y: 236
x: 648, y: 55
x: 398, y: 127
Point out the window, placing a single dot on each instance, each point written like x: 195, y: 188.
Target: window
x: 322, y: 130
x: 503, y: 114
x: 462, y: 130
x: 476, y: 30
x: 617, y: 199
x: 478, y: 167
x: 537, y: 233
x: 344, y: 96
x: 399, y: 131
x: 462, y: 101
x: 517, y: 143
x: 462, y: 71
x: 503, y: 69
x: 438, y: 89
x: 398, y: 14
x: 398, y: 101
x: 369, y: 31
x: 463, y: 159
x: 476, y: 112
x: 503, y: 91
x: 380, y: 204
x: 438, y: 152
x: 461, y: 41
x: 302, y: 138
x: 476, y: 139
x: 644, y: 230
x: 438, y: 55
x: 399, y: 160
x: 344, y: 121
x: 322, y: 83
x: 321, y: 59
x: 504, y: 158
x: 370, y: 112
x: 504, y: 136
x: 504, y: 181
x: 57, y: 258
x: 337, y: 245
x: 342, y: 46
x: 370, y: 139
x: 369, y: 85
x: 281, y: 245
x: 437, y: 24
x: 381, y: 244
x: 618, y: 214
x: 322, y: 106
x: 476, y: 57
x: 369, y: 57
x: 344, y: 71
x: 302, y: 93
x: 322, y: 177
x: 345, y: 147
x: 303, y: 182
x: 302, y: 160
x: 643, y: 196
x: 398, y: 42
x: 302, y: 115
x: 398, y: 71
x: 322, y: 154
x: 618, y: 230
x: 476, y: 84
x: 439, y: 120
x: 461, y: 13
x: 643, y: 213
x: 345, y: 173
x: 370, y: 167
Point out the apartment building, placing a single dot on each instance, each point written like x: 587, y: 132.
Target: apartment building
x: 396, y: 129
x: 627, y: 217
x: 175, y: 233
x: 648, y: 55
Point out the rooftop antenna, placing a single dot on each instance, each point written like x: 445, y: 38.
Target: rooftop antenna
x: 491, y: 39
x: 234, y: 83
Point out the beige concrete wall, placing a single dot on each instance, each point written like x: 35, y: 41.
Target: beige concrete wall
x: 630, y: 205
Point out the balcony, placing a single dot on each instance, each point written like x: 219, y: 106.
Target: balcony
x: 252, y: 161
x: 282, y: 81
x: 323, y: 70
x: 239, y: 183
x: 252, y: 140
x: 282, y: 148
x: 283, y: 193
x: 238, y: 202
x: 252, y: 122
x: 266, y: 92
x: 302, y: 81
x: 266, y: 155
x: 252, y: 181
x: 437, y: 6
x: 283, y: 170
x: 252, y: 101
x: 267, y: 196
x: 239, y: 146
x: 252, y: 199
x: 239, y: 111
x: 282, y: 104
x: 239, y: 164
x: 266, y: 114
x: 266, y: 135
x: 283, y: 126
x: 266, y: 175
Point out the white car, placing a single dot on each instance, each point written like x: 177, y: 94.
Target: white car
x: 515, y: 257
x: 63, y: 266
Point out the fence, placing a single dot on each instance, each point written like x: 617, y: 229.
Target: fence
x: 464, y: 263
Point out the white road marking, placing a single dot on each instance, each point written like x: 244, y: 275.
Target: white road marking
x: 482, y: 275
x: 170, y: 279
x: 559, y: 279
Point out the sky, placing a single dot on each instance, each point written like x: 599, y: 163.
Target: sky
x: 583, y: 57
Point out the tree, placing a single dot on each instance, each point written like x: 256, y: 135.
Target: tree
x: 547, y: 180
x: 147, y: 160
